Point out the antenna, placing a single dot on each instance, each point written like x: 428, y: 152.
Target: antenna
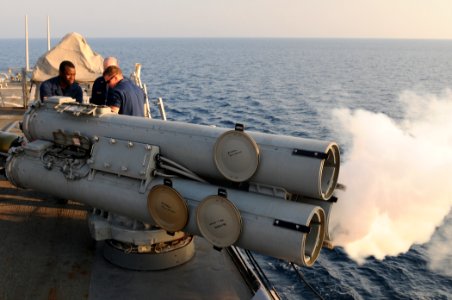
x: 27, y: 65
x: 48, y: 33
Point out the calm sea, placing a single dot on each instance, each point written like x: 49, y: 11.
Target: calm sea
x: 290, y: 86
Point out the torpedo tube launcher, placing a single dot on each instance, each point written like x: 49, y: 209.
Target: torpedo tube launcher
x: 229, y: 186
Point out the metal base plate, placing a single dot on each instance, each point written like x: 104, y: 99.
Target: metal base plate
x: 147, y: 261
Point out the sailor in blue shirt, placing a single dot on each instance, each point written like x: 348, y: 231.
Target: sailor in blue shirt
x: 99, y: 90
x: 62, y: 85
x: 124, y: 97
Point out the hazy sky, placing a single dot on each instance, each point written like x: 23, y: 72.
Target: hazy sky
x: 230, y: 18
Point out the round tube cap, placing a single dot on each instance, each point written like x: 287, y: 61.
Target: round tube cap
x: 219, y: 221
x: 236, y: 155
x: 167, y: 207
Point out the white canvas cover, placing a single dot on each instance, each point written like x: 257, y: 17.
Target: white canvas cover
x: 72, y: 47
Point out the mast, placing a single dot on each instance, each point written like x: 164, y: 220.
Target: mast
x: 27, y: 65
x: 48, y: 33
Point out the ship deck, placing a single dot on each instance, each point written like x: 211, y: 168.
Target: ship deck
x: 47, y: 253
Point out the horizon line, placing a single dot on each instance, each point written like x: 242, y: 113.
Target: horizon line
x: 235, y: 37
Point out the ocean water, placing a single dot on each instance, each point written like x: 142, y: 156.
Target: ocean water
x: 294, y: 87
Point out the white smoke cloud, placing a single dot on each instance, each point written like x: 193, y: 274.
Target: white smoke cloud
x: 398, y: 177
x: 438, y: 250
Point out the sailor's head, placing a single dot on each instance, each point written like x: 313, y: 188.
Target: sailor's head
x: 112, y: 75
x: 110, y: 61
x: 67, y: 72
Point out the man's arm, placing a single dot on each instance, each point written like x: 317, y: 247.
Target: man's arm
x: 114, y: 109
x: 45, y: 90
x: 114, y: 100
x: 79, y: 94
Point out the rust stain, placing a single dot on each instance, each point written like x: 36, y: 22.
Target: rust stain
x: 77, y: 269
x: 52, y: 294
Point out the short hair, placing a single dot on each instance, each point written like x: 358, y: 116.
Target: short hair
x: 66, y: 64
x: 110, y: 61
x: 112, y: 71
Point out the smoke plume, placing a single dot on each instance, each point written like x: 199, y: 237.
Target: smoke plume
x: 438, y: 249
x: 398, y: 177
